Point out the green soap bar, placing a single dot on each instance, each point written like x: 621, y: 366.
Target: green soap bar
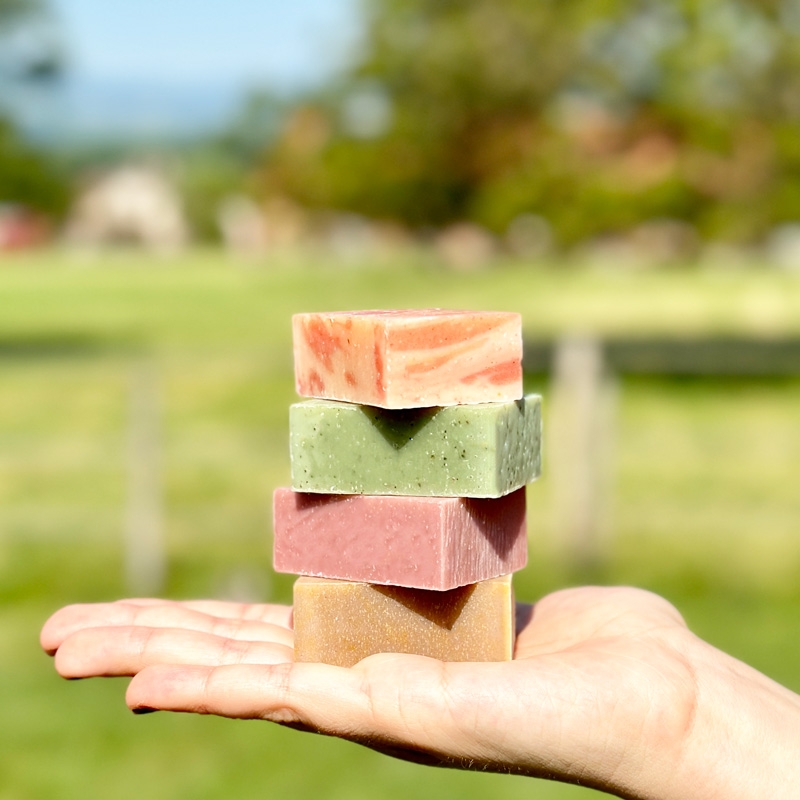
x: 483, y: 450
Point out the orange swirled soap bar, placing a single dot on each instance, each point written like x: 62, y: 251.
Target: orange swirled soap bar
x: 409, y: 359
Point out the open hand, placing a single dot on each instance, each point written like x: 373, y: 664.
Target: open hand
x: 607, y: 688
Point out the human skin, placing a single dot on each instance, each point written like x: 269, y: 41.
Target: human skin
x: 608, y: 689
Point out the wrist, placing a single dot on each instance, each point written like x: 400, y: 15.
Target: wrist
x: 743, y: 742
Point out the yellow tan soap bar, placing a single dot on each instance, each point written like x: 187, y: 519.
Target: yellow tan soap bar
x: 340, y: 622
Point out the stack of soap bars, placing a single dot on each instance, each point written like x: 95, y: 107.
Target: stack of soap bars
x: 406, y: 515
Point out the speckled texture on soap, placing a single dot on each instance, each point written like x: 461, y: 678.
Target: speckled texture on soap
x: 483, y: 450
x: 341, y: 622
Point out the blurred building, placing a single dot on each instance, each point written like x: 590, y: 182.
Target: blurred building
x: 131, y: 205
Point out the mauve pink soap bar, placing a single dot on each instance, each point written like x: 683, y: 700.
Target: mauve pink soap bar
x: 417, y: 542
x: 409, y: 359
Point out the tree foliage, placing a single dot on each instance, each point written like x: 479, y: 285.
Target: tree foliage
x: 595, y: 115
x: 27, y: 177
x: 34, y: 56
x: 13, y: 10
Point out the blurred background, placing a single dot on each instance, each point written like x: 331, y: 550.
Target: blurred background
x: 177, y: 179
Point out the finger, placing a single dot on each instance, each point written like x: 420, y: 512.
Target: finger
x: 241, y: 691
x: 324, y: 698
x: 254, y: 623
x: 256, y: 612
x: 96, y: 652
x: 396, y: 703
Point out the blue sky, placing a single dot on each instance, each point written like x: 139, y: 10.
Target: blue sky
x: 217, y: 42
x: 161, y: 67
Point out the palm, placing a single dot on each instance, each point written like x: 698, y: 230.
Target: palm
x: 592, y: 668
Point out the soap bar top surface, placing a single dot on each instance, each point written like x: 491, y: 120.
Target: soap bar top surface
x: 341, y: 622
x: 419, y: 542
x: 483, y: 450
x: 409, y: 359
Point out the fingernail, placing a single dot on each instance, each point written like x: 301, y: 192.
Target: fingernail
x: 144, y: 710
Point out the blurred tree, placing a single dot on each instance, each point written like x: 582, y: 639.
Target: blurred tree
x: 597, y: 116
x: 29, y: 53
x: 220, y: 168
x: 11, y: 11
x: 254, y: 126
x: 29, y: 50
x: 28, y: 178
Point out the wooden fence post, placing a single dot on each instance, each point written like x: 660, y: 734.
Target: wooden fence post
x: 145, y: 555
x: 579, y: 449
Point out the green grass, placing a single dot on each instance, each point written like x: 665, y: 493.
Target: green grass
x: 203, y: 300
x: 703, y: 505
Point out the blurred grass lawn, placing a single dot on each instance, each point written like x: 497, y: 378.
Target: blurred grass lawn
x: 705, y: 506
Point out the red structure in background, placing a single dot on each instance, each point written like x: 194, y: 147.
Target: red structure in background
x: 21, y: 228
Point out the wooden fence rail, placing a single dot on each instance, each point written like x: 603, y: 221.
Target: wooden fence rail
x: 700, y: 357
x: 581, y: 413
